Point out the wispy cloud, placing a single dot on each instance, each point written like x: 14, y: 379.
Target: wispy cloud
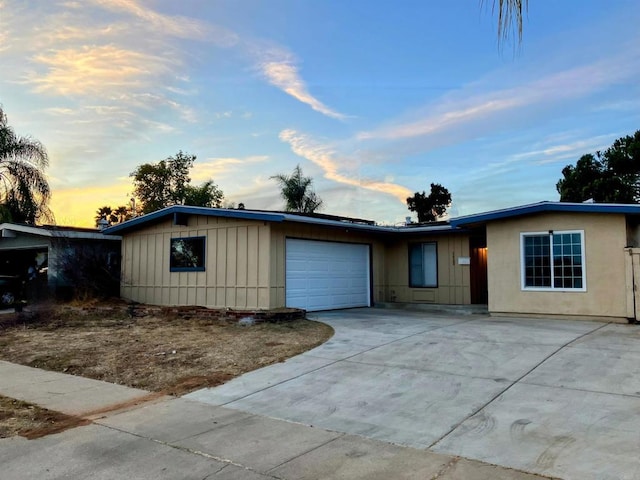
x: 95, y: 70
x: 467, y: 108
x: 325, y: 157
x: 213, y: 168
x: 285, y: 76
x: 173, y: 25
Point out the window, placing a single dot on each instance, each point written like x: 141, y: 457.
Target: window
x: 187, y: 254
x: 423, y: 265
x: 553, y: 261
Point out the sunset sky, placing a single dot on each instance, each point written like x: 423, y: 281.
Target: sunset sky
x: 374, y: 99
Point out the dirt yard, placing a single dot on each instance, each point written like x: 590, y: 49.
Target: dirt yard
x: 162, y: 354
x: 29, y: 421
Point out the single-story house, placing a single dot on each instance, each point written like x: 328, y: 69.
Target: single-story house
x: 548, y: 258
x: 45, y: 253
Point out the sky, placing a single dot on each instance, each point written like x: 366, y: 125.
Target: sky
x: 375, y: 100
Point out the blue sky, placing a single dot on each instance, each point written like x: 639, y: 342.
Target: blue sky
x: 374, y: 99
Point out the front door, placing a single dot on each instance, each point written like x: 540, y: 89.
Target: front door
x: 479, y: 283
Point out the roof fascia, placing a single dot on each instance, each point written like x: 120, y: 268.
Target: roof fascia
x: 612, y: 208
x: 188, y: 210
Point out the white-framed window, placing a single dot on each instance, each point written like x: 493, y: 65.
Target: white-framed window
x: 553, y: 260
x: 423, y: 265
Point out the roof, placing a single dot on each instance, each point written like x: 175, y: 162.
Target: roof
x: 275, y: 217
x: 55, y: 231
x: 544, y: 207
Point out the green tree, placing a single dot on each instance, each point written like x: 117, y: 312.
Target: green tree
x: 166, y: 183
x: 430, y: 207
x: 296, y: 191
x: 612, y: 176
x: 24, y: 190
x: 206, y: 195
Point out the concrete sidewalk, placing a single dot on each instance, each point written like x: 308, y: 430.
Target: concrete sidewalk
x: 171, y: 438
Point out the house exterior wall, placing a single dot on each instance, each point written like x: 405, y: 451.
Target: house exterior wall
x: 605, y: 237
x: 453, y: 279
x: 237, y: 264
x: 280, y: 232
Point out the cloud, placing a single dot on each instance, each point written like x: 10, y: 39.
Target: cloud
x: 213, y: 168
x: 285, y: 76
x: 324, y: 157
x: 95, y: 70
x: 471, y: 108
x: 175, y: 26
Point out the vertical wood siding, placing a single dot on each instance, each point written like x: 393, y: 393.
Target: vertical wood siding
x: 453, y: 279
x: 237, y: 268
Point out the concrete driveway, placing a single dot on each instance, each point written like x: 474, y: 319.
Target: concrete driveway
x: 554, y: 397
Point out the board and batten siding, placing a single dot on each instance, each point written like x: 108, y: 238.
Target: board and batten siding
x: 237, y: 265
x: 453, y: 279
x: 280, y: 232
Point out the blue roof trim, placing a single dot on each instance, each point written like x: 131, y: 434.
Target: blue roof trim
x: 211, y: 212
x: 545, y: 207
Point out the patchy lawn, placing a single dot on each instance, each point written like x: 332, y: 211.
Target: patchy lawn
x: 163, y: 354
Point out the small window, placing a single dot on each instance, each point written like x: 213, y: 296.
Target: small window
x: 187, y: 254
x: 553, y: 261
x: 423, y: 265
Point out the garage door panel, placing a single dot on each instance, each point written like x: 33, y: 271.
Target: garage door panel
x: 325, y: 275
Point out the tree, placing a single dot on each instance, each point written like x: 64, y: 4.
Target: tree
x: 430, y: 207
x: 166, y: 183
x: 24, y: 190
x: 206, y: 195
x: 612, y: 176
x: 114, y: 215
x: 296, y: 191
x: 510, y: 12
x: 106, y: 213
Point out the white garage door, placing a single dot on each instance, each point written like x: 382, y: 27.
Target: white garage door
x: 326, y: 275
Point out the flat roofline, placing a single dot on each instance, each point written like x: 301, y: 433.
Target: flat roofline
x: 541, y: 207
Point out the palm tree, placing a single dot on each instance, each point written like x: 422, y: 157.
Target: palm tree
x: 106, y: 213
x: 24, y: 190
x: 297, y: 193
x: 122, y: 214
x: 510, y: 12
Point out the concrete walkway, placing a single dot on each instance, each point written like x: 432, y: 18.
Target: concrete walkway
x: 553, y: 397
x: 177, y: 438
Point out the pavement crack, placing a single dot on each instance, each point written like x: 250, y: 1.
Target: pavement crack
x: 446, y: 468
x: 306, y: 452
x: 518, y: 380
x: 200, y: 453
x: 343, y: 359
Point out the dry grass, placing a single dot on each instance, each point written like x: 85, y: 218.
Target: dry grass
x: 29, y: 421
x: 169, y: 355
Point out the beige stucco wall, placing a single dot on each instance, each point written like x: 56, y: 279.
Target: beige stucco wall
x: 237, y: 265
x: 604, y: 240
x: 453, y: 279
x: 281, y: 231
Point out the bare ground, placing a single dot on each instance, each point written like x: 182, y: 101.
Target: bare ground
x: 30, y: 421
x: 166, y: 354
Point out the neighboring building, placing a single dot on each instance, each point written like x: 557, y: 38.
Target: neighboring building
x: 42, y: 253
x: 546, y: 258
